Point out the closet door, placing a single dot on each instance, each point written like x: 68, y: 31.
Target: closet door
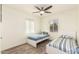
x: 0, y: 35
x: 0, y: 25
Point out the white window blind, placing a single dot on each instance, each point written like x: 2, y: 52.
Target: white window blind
x: 30, y: 26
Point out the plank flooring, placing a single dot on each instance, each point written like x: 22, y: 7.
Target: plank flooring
x: 28, y: 49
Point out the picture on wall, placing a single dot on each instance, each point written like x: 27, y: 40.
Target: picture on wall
x: 54, y: 25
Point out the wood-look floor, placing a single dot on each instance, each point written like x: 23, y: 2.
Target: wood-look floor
x: 28, y: 49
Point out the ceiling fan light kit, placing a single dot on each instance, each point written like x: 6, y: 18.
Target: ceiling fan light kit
x: 43, y: 10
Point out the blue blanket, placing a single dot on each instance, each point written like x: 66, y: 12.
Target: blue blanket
x: 37, y: 36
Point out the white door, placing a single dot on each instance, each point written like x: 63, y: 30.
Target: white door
x: 0, y: 35
x: 0, y: 24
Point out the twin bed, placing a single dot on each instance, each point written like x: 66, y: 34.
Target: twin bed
x: 63, y: 45
x: 34, y: 39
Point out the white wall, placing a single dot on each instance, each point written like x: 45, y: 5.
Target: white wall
x: 13, y: 27
x: 67, y: 22
x: 78, y: 26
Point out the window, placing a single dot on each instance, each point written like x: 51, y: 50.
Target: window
x: 30, y: 26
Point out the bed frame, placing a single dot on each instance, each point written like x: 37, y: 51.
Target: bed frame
x: 52, y: 50
x: 34, y: 43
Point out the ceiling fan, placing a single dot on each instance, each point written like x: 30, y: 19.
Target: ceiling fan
x: 43, y: 10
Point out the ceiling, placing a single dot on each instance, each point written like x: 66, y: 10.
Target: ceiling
x: 29, y: 8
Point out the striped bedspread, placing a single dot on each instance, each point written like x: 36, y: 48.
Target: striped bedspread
x: 65, y: 44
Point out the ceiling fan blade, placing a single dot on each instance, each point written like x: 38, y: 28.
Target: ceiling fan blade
x: 36, y: 12
x: 38, y: 8
x: 47, y: 12
x: 42, y: 8
x: 48, y: 8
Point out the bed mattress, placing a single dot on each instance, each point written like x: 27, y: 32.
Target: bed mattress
x: 36, y: 37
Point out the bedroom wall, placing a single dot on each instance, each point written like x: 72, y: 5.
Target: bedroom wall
x: 78, y: 25
x: 14, y: 27
x: 67, y: 23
